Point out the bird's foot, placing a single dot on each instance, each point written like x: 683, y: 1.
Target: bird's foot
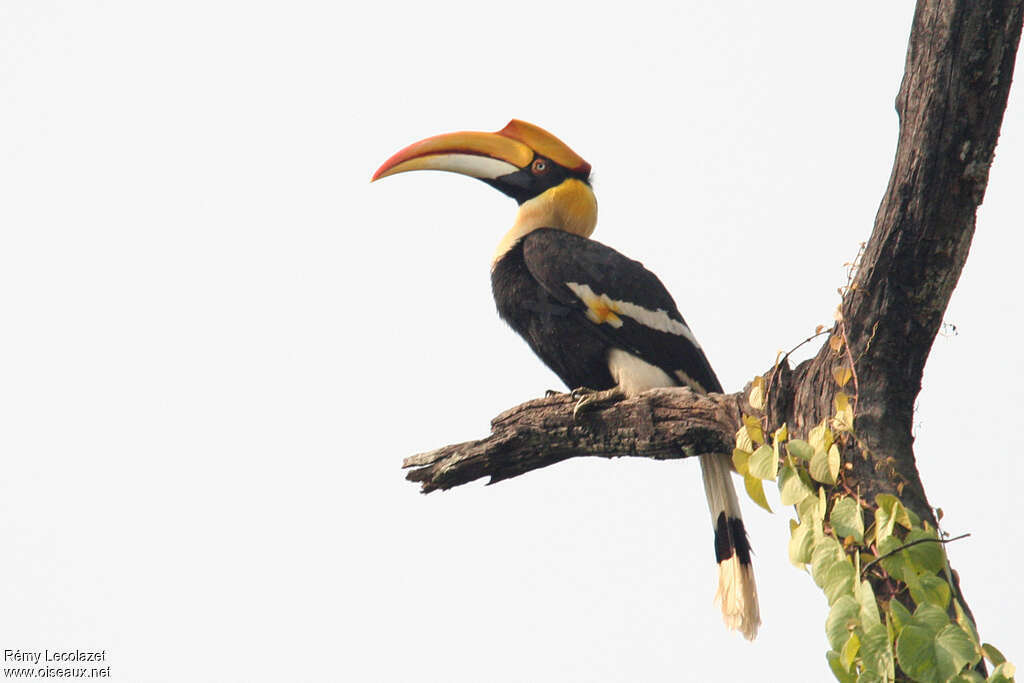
x: 588, y: 399
x: 552, y: 392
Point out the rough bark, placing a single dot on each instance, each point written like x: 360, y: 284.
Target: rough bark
x: 660, y: 424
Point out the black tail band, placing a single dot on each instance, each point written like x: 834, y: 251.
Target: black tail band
x: 730, y: 538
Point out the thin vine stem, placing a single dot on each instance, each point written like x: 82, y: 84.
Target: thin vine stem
x: 908, y: 545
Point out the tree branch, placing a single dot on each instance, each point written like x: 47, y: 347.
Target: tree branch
x: 661, y: 424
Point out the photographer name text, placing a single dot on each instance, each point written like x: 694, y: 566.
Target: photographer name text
x: 35, y: 657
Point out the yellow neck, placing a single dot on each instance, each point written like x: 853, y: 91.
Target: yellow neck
x: 571, y: 207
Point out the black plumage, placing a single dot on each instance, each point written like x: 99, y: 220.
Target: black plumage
x: 530, y: 284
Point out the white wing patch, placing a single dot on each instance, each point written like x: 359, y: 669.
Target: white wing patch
x: 600, y: 308
x: 603, y: 309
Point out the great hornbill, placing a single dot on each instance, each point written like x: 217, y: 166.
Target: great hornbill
x: 602, y: 322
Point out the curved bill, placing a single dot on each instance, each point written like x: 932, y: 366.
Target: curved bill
x: 480, y: 155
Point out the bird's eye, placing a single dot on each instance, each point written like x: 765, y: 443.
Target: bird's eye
x: 540, y: 166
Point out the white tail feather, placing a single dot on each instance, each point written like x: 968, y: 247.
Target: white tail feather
x: 737, y: 592
x: 737, y: 597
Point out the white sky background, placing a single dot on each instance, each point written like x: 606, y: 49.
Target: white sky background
x: 219, y: 340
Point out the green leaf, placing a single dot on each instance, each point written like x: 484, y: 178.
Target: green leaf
x: 1003, y: 673
x: 842, y: 619
x: 834, y: 461
x: 886, y: 500
x: 825, y: 553
x: 843, y: 421
x: 764, y: 464
x: 869, y: 616
x: 743, y: 441
x: 930, y: 617
x: 800, y: 542
x: 900, y: 615
x: 885, y: 522
x: 820, y: 437
x: 842, y: 675
x: 847, y: 519
x: 969, y: 676
x: 966, y: 624
x: 840, y: 579
x: 932, y: 590
x: 781, y: 434
x: 919, y: 575
x: 992, y: 654
x: 895, y: 563
x: 799, y: 449
x: 811, y: 508
x: 753, y: 427
x: 740, y: 460
x: 915, y: 649
x: 757, y: 394
x: 756, y: 491
x: 824, y: 465
x: 792, y: 488
x: 849, y: 652
x: 955, y: 650
x: 896, y: 509
x: 926, y: 557
x: 876, y: 652
x: 842, y: 374
x: 930, y: 648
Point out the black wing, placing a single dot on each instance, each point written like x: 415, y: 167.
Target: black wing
x: 620, y: 299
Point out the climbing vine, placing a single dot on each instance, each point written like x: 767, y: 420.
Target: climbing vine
x: 894, y: 612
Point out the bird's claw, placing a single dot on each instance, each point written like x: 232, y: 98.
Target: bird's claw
x: 589, y: 398
x: 578, y: 408
x: 579, y: 393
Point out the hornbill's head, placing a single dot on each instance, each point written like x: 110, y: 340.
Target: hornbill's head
x: 550, y: 182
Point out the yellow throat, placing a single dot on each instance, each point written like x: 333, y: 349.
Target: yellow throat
x: 570, y: 206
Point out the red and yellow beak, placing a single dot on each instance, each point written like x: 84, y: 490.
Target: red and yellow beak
x: 484, y: 155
